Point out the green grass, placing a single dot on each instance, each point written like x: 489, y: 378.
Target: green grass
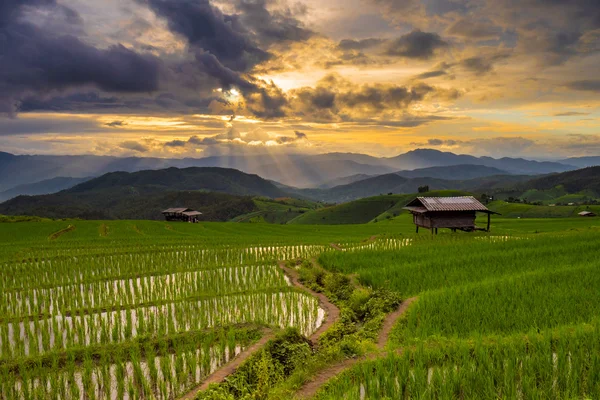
x: 496, y: 316
x: 492, y: 308
x: 370, y: 209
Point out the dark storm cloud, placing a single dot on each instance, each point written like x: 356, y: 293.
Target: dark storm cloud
x: 69, y: 102
x: 336, y: 99
x: 351, y: 44
x: 272, y: 27
x: 35, y: 61
x: 227, y: 77
x: 585, y: 85
x: 416, y: 44
x: 235, y: 40
x: 227, y: 47
x: 206, y: 27
x: 268, y: 102
x: 381, y: 97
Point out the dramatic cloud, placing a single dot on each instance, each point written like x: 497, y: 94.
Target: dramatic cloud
x: 232, y: 136
x: 417, y: 44
x: 36, y: 62
x: 174, y: 77
x: 134, y: 146
x: 271, y: 27
x: 205, y: 27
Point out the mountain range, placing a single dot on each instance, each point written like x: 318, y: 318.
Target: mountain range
x: 220, y: 194
x: 297, y: 170
x: 224, y: 194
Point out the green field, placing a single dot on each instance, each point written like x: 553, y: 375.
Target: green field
x: 148, y: 309
x: 497, y: 316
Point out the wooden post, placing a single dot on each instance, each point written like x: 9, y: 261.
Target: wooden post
x: 489, y: 219
x: 436, y: 230
x: 417, y: 228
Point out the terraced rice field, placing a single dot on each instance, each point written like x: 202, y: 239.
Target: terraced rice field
x: 81, y: 320
x: 511, y: 317
x: 140, y: 310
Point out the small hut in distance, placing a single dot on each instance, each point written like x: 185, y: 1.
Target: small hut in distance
x: 181, y: 214
x: 587, y: 214
x: 456, y: 213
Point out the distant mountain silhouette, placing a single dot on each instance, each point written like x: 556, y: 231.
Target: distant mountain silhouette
x: 299, y: 170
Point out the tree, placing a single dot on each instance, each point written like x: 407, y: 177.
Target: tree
x: 424, y: 189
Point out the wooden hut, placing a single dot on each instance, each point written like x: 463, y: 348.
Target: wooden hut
x: 586, y: 214
x: 181, y: 214
x: 447, y: 212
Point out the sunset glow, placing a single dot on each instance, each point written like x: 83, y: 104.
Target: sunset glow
x: 372, y: 76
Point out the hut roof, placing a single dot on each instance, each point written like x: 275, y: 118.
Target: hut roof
x: 176, y: 210
x: 192, y: 213
x: 586, y: 213
x: 464, y: 203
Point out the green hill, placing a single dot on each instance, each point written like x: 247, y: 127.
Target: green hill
x: 278, y: 211
x: 519, y: 210
x: 580, y: 187
x: 220, y: 194
x: 212, y: 179
x: 365, y: 210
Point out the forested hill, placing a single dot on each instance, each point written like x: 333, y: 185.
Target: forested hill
x: 219, y: 193
x: 212, y: 179
x: 586, y: 179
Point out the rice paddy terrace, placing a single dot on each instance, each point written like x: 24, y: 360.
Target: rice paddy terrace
x: 140, y: 310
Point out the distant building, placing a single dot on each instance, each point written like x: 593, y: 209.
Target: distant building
x: 447, y: 212
x: 587, y: 214
x: 181, y: 214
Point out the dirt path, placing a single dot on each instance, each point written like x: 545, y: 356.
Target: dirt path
x: 390, y: 321
x: 332, y: 313
x: 220, y: 374
x: 312, y: 387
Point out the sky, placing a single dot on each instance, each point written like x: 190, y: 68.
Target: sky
x: 197, y: 78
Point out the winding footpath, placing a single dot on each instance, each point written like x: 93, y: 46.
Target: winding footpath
x: 309, y: 389
x: 332, y: 313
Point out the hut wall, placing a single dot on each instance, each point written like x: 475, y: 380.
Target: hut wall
x: 453, y: 219
x: 422, y: 220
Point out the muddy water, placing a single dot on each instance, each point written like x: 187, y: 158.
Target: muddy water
x: 162, y: 380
